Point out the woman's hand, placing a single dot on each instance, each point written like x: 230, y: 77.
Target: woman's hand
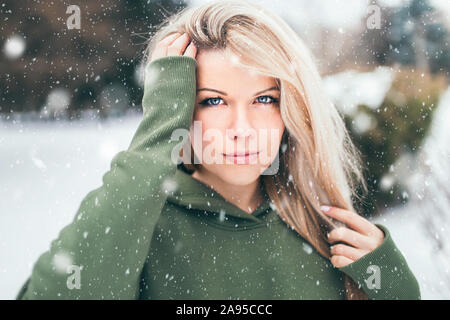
x: 362, y: 238
x: 174, y: 45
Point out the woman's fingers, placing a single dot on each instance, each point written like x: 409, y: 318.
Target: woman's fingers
x: 177, y: 47
x: 191, y: 50
x: 161, y: 47
x: 347, y: 251
x: 170, y: 39
x: 352, y: 237
x: 353, y: 220
x: 362, y: 236
x: 340, y: 261
x: 176, y: 44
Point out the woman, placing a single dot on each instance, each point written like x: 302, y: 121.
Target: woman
x: 235, y: 80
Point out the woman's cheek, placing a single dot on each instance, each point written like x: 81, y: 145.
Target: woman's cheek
x: 206, y: 142
x: 270, y: 135
x: 212, y: 147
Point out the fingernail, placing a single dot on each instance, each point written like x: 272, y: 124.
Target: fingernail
x: 325, y: 208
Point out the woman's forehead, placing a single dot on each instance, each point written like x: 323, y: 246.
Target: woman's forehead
x: 218, y: 69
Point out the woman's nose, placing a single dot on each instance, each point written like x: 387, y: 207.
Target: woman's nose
x: 240, y: 124
x: 239, y: 133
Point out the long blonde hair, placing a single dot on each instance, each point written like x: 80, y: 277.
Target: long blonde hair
x: 320, y: 165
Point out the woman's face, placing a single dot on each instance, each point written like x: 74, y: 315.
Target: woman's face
x: 236, y: 111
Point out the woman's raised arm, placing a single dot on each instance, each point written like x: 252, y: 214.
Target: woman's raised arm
x: 100, y: 254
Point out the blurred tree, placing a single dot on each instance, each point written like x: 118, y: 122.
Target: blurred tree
x: 104, y: 52
x: 414, y: 35
x: 400, y: 125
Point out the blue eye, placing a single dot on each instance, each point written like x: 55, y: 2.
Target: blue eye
x: 205, y: 102
x: 272, y: 99
x: 216, y: 101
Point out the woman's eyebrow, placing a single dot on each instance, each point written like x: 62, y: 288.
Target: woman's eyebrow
x: 221, y: 92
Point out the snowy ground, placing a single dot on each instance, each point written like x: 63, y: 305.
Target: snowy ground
x: 46, y: 169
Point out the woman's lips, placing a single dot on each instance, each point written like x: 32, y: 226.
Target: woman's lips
x: 241, y: 158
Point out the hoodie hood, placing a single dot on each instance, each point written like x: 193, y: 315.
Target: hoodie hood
x: 193, y: 194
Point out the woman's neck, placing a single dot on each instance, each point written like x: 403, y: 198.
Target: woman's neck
x: 246, y: 197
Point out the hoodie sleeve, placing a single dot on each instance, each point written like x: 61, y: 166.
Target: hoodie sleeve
x: 383, y: 273
x: 101, y: 253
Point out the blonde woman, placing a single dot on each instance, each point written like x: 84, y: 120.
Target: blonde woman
x: 267, y: 211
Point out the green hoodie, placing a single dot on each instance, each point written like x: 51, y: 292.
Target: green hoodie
x: 151, y: 231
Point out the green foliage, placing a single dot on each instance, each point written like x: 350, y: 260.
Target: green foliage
x: 399, y: 125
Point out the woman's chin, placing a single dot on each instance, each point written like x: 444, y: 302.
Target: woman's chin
x: 239, y: 175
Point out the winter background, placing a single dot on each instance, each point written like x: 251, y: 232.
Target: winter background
x: 52, y: 152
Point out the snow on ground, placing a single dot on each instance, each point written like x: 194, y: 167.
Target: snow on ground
x: 46, y: 169
x: 405, y: 227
